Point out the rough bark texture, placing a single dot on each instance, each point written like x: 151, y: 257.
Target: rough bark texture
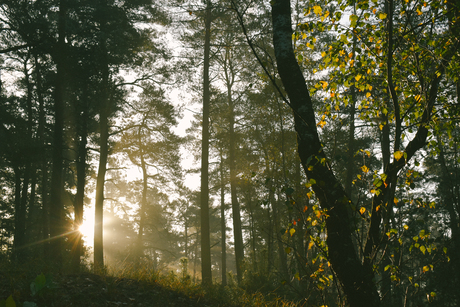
x: 355, y: 278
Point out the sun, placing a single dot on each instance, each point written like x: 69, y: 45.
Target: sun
x: 87, y: 229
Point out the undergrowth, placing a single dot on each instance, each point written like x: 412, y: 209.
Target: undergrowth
x: 36, y: 284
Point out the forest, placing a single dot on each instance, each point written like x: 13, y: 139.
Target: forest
x: 325, y: 136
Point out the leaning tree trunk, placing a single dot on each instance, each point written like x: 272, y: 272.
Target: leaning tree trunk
x: 355, y: 278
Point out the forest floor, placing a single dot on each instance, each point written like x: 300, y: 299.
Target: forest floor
x: 24, y: 287
x: 89, y: 289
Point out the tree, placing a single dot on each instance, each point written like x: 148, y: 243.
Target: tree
x: 355, y: 276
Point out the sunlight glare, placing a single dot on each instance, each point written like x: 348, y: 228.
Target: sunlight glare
x: 87, y: 228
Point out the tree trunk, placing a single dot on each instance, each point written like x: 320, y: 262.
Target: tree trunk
x: 237, y: 229
x: 103, y: 146
x: 355, y: 278
x: 143, y: 204
x: 19, y: 217
x: 57, y: 182
x: 223, y: 227
x: 82, y: 135
x: 43, y: 161
x: 205, y: 227
x: 100, y: 181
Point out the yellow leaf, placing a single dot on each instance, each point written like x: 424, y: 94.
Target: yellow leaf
x: 417, y: 98
x: 292, y: 231
x: 357, y: 77
x: 310, y: 245
x: 368, y: 95
x: 395, y: 200
x: 322, y: 123
x: 382, y: 16
x: 323, y: 54
x: 426, y: 269
x: 10, y: 302
x: 362, y: 210
x: 398, y: 155
x: 317, y: 9
x: 365, y: 169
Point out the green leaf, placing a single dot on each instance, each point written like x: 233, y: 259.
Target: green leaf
x: 38, y: 284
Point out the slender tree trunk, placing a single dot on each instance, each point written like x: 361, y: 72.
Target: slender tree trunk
x: 57, y: 182
x: 205, y: 227
x: 43, y: 163
x: 103, y: 146
x: 143, y: 205
x: 282, y: 256
x: 82, y: 135
x: 237, y: 228
x: 223, y: 226
x: 19, y: 216
x: 100, y: 182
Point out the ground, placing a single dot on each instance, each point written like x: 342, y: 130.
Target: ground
x: 88, y: 289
